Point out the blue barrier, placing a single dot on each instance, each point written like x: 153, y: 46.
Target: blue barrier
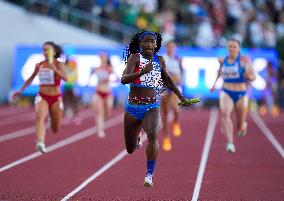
x: 200, y: 67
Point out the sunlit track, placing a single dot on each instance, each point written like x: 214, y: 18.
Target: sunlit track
x: 28, y: 116
x: 107, y: 166
x: 13, y: 111
x: 268, y: 134
x: 80, y: 167
x: 31, y: 129
x: 205, y: 153
x: 175, y: 174
x: 234, y: 176
x: 81, y: 135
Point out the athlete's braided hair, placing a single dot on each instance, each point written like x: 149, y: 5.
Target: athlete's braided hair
x: 134, y: 46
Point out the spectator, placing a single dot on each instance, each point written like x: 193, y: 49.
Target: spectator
x: 205, y: 36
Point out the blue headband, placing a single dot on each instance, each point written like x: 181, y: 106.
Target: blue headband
x: 147, y: 33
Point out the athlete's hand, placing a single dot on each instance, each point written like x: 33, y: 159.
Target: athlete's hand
x: 147, y: 68
x: 52, y: 66
x: 16, y: 95
x: 212, y: 89
x: 247, y: 76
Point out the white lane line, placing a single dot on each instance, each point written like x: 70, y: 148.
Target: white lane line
x: 116, y: 159
x: 31, y: 130
x: 104, y: 168
x: 205, y: 153
x: 268, y: 134
x: 16, y: 134
x: 79, y: 136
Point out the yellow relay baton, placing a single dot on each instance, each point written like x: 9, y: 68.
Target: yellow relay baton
x: 188, y: 102
x: 50, y: 54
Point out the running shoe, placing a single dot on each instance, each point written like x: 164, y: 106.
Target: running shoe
x: 101, y: 134
x: 262, y: 110
x: 148, y: 181
x: 243, y: 132
x: 230, y: 148
x: 167, y: 145
x: 275, y: 111
x: 176, y: 129
x: 40, y: 146
x: 139, y: 141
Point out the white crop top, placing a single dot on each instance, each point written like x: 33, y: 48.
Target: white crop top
x: 172, y: 65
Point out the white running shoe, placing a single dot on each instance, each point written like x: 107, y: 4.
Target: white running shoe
x: 139, y: 142
x: 230, y: 148
x: 40, y: 146
x: 148, y: 181
x: 101, y: 134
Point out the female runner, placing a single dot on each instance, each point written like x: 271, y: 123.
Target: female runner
x: 236, y: 70
x: 146, y: 73
x: 170, y: 100
x: 48, y: 102
x: 103, y: 99
x: 270, y: 93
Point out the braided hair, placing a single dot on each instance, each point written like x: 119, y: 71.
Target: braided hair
x: 134, y: 46
x: 58, y: 50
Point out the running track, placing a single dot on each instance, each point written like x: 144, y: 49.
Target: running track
x: 80, y: 166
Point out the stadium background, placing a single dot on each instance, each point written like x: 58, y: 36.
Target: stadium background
x: 198, y: 167
x: 200, y: 28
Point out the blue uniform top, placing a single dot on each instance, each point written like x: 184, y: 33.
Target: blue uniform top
x: 233, y: 73
x: 151, y: 79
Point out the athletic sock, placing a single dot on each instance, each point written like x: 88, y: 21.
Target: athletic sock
x: 151, y: 166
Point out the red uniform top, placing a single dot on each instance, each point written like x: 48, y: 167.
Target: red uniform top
x: 47, y: 76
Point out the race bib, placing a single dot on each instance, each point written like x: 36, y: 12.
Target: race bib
x: 102, y: 75
x: 46, y: 76
x: 231, y: 72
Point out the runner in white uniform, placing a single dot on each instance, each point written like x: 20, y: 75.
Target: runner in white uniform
x: 169, y: 102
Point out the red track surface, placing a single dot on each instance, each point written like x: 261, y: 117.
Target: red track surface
x: 254, y: 172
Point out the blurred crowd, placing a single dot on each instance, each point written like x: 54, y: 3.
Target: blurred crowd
x: 202, y: 23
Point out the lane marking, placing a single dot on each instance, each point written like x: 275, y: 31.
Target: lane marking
x: 268, y: 134
x: 79, y: 136
x: 16, y: 134
x: 205, y: 152
x: 31, y: 130
x: 103, y: 169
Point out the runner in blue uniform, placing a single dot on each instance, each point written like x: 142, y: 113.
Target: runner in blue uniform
x: 147, y: 75
x: 236, y: 70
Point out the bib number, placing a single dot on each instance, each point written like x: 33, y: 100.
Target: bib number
x: 46, y: 76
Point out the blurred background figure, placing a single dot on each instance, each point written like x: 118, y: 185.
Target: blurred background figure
x: 48, y: 102
x: 169, y: 101
x: 270, y: 97
x: 281, y: 85
x: 69, y: 97
x: 102, y: 98
x: 236, y: 71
